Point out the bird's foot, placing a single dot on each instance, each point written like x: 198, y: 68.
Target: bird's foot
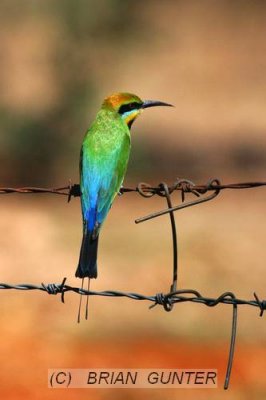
x: 120, y: 192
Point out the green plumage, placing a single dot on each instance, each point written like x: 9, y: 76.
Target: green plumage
x: 103, y: 162
x: 105, y: 154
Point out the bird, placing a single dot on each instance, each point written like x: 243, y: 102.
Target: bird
x: 104, y: 157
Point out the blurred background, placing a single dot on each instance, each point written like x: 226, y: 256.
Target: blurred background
x: 59, y: 59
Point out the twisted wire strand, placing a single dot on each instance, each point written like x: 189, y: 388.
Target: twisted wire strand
x: 178, y: 296
x: 144, y: 189
x: 167, y: 301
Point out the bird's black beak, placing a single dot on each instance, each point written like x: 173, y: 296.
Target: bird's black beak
x: 154, y: 103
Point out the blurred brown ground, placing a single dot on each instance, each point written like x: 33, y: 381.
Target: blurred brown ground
x: 57, y: 63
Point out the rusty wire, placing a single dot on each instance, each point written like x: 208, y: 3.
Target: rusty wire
x: 144, y: 189
x: 174, y: 296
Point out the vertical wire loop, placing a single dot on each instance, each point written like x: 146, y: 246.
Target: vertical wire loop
x: 174, y: 237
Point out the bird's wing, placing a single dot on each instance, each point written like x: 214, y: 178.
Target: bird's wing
x: 101, y: 178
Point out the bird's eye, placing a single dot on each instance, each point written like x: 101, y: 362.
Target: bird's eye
x: 129, y: 107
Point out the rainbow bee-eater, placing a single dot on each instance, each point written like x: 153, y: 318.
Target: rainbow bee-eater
x: 103, y: 163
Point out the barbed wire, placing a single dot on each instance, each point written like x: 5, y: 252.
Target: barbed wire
x: 144, y: 189
x: 167, y: 301
x: 174, y: 296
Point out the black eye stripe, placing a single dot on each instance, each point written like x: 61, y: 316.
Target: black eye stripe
x: 129, y: 107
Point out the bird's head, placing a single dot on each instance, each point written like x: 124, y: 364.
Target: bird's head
x: 129, y: 106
